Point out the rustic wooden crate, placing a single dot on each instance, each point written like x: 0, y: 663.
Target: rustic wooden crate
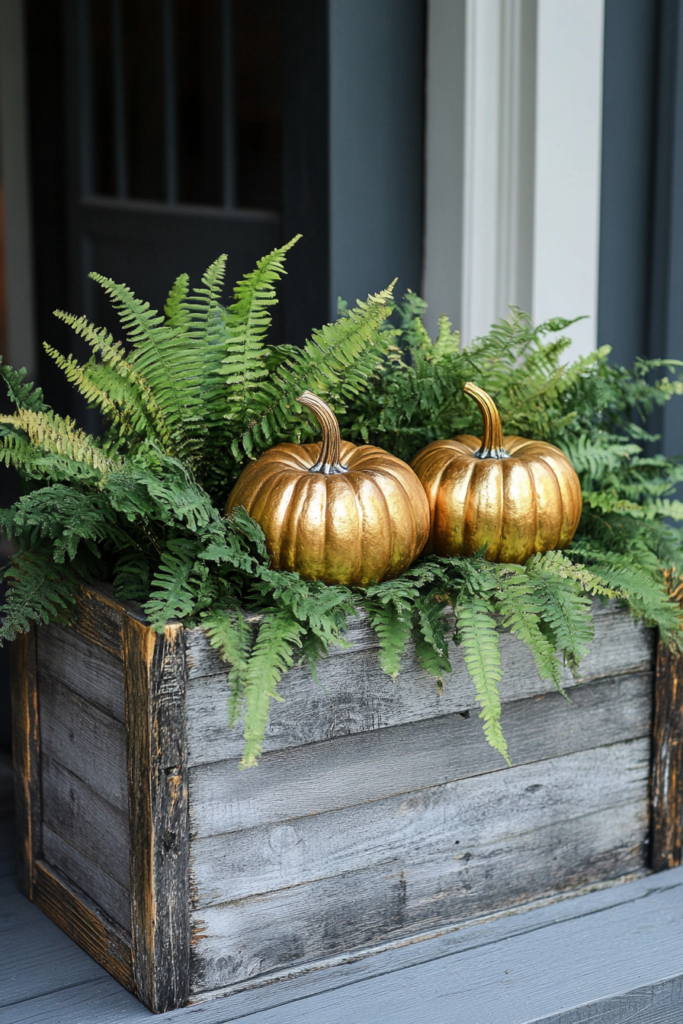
x: 378, y: 813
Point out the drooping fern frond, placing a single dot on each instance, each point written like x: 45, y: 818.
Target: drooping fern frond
x: 521, y: 612
x: 272, y: 655
x: 566, y: 610
x: 229, y: 633
x: 476, y: 631
x: 430, y: 636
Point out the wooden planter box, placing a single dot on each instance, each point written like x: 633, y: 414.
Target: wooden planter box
x: 378, y: 813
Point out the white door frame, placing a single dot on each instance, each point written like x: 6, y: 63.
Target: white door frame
x: 513, y: 153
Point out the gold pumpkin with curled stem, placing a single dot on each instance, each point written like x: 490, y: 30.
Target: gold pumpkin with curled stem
x: 334, y: 511
x: 514, y: 496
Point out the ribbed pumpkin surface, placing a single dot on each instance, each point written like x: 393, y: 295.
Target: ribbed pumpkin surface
x: 528, y: 503
x: 356, y: 527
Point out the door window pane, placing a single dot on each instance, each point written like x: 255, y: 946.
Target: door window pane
x: 184, y: 100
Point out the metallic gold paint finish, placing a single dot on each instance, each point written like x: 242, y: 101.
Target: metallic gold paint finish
x: 517, y: 496
x: 333, y: 511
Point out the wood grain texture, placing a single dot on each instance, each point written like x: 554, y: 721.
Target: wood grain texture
x: 90, y: 671
x: 536, y: 976
x: 356, y: 696
x: 26, y: 753
x: 667, y: 762
x: 276, y: 931
x: 84, y: 739
x: 85, y: 820
x: 575, y: 950
x: 104, y: 891
x: 658, y: 1003
x: 371, y: 766
x: 158, y: 809
x: 430, y: 824
x: 99, y: 618
x: 73, y: 913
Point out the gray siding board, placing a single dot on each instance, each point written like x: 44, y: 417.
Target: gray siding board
x: 80, y: 816
x: 84, y: 739
x: 371, y: 766
x: 356, y: 910
x: 92, y: 672
x: 355, y: 696
x: 429, y: 825
x: 103, y: 890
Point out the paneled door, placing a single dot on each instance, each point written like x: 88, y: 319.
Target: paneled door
x: 188, y: 128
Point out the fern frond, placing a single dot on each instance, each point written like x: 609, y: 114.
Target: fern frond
x: 60, y: 436
x: 476, y: 632
x: 271, y: 656
x: 22, y: 393
x: 247, y: 322
x: 566, y: 612
x: 172, y: 370
x: 38, y: 591
x: 521, y: 613
x: 429, y: 635
x: 337, y: 362
x: 173, y: 592
x: 230, y: 635
x: 175, y: 308
x: 130, y: 392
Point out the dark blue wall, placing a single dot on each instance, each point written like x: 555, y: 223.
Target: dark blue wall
x: 377, y: 78
x: 628, y: 145
x: 641, y: 229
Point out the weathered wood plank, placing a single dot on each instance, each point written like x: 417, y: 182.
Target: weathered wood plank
x: 99, y: 618
x: 71, y: 910
x: 26, y: 752
x: 93, y: 672
x: 626, y: 954
x: 82, y: 818
x: 371, y: 766
x: 431, y: 823
x: 356, y: 696
x: 104, y: 891
x: 158, y: 808
x: 667, y: 762
x: 241, y: 940
x: 84, y: 739
x: 594, y: 944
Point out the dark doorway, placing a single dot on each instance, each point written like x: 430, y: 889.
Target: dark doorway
x: 162, y: 134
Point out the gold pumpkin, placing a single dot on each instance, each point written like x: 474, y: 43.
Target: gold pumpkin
x: 333, y: 511
x: 517, y: 496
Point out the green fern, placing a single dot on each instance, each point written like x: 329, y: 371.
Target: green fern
x: 229, y: 634
x: 479, y: 638
x: 271, y: 656
x: 194, y: 391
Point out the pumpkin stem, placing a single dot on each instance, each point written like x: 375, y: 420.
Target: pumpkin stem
x: 329, y: 462
x: 492, y: 437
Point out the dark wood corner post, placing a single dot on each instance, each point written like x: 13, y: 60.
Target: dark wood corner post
x: 667, y: 762
x: 154, y: 672
x: 26, y: 748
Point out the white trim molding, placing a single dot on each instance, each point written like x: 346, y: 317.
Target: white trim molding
x: 514, y: 101
x: 568, y: 161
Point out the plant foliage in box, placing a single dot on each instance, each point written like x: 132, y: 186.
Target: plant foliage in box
x: 197, y: 390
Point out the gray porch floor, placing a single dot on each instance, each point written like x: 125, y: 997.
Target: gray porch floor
x: 607, y: 956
